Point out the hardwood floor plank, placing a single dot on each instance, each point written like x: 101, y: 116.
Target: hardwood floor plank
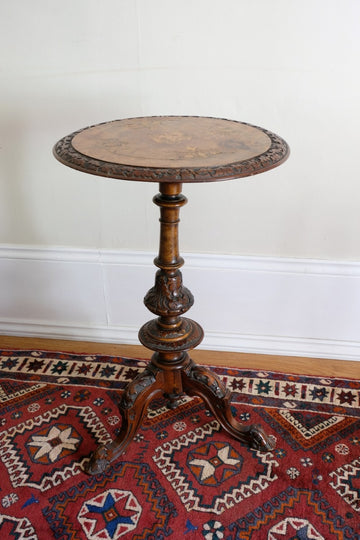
x: 285, y: 364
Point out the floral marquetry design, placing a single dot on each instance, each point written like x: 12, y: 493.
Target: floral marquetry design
x: 172, y: 149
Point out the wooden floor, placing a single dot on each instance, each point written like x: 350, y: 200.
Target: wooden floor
x: 285, y: 364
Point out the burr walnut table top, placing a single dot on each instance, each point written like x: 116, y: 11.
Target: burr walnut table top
x: 172, y: 149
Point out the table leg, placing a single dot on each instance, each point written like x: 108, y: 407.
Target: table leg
x: 204, y: 383
x: 135, y: 399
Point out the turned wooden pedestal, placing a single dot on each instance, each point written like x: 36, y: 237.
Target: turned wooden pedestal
x: 172, y: 151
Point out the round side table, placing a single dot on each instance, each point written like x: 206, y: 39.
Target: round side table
x: 172, y: 150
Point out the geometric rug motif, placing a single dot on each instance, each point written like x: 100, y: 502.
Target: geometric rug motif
x: 193, y: 467
x: 182, y: 475
x: 112, y: 513
x: 214, y: 462
x: 11, y: 527
x: 48, y: 440
x: 14, y: 391
x: 102, y: 509
x: 282, y: 518
x: 303, y: 430
x: 60, y: 368
x: 256, y: 388
x: 288, y: 390
x: 14, y: 394
x: 346, y: 482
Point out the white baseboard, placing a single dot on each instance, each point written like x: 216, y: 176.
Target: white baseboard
x: 250, y: 304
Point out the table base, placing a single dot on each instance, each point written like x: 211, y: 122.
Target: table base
x: 171, y: 372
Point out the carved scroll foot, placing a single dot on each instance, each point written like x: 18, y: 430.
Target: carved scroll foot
x: 256, y: 438
x: 99, y: 461
x: 201, y: 382
x: 132, y: 408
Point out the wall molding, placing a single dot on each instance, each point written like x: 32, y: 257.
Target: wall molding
x: 268, y: 305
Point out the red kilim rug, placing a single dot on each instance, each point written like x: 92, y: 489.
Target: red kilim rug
x: 182, y: 476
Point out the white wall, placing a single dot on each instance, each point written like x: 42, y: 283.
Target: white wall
x: 291, y: 66
x: 298, y: 307
x: 288, y: 65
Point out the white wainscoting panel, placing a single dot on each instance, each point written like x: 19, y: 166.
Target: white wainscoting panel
x: 250, y: 304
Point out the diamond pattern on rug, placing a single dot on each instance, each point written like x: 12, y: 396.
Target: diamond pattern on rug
x: 51, y: 444
x: 214, y: 463
x: 25, y: 444
x: 304, y: 430
x: 282, y: 518
x: 111, y: 514
x: 191, y: 469
x: 102, y: 509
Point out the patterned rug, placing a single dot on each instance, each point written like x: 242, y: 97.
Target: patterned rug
x: 182, y: 476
